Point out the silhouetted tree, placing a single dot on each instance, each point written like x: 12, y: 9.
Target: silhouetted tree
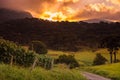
x: 99, y: 59
x: 112, y: 44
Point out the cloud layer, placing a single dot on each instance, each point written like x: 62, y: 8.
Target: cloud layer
x: 72, y: 10
x: 98, y: 11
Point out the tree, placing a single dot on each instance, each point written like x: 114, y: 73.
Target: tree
x: 38, y: 47
x: 112, y: 44
x: 68, y: 60
x: 99, y: 59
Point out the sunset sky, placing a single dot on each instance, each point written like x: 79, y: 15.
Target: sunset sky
x: 70, y: 10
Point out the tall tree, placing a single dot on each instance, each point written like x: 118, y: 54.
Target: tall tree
x: 112, y: 44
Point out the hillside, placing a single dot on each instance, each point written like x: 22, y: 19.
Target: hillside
x: 8, y: 14
x: 70, y: 36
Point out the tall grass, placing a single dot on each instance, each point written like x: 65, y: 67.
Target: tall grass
x: 17, y: 73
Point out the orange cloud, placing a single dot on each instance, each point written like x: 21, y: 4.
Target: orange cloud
x: 68, y: 1
x: 56, y: 16
x: 99, y: 7
x: 58, y: 10
x: 97, y: 11
x: 114, y: 2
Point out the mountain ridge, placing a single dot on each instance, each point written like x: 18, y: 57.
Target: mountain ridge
x: 9, y: 14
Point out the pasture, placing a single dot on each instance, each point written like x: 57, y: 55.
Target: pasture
x: 85, y: 57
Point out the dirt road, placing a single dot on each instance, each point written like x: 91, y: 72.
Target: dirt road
x: 91, y: 76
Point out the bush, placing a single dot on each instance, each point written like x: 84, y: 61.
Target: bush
x: 7, y: 50
x: 69, y: 60
x: 10, y: 53
x: 38, y: 47
x: 25, y: 58
x: 99, y: 59
x: 45, y: 61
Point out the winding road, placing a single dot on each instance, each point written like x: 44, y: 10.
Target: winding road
x: 91, y: 76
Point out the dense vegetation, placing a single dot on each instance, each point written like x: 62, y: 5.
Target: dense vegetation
x: 111, y: 70
x: 72, y: 36
x: 11, y: 53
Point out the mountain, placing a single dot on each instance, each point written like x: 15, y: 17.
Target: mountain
x: 96, y: 20
x: 9, y: 14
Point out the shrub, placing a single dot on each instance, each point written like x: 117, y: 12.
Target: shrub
x: 38, y: 47
x: 99, y: 59
x: 7, y: 50
x: 11, y: 53
x: 45, y: 61
x: 25, y: 58
x: 69, y: 60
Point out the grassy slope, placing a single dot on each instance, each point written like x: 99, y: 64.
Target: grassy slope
x: 84, y: 57
x: 111, y: 70
x: 17, y: 73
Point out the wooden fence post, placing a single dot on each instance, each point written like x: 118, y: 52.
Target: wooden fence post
x: 11, y: 60
x: 34, y: 63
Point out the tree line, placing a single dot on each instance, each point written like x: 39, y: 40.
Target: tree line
x: 66, y: 36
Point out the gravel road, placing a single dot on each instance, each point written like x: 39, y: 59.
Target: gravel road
x: 91, y: 76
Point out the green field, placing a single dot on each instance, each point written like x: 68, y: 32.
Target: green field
x: 85, y: 58
x: 110, y: 70
x: 18, y: 73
